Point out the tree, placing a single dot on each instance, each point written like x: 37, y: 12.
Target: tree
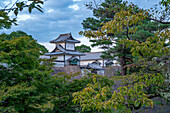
x: 151, y: 59
x: 103, y: 15
x: 21, y: 75
x: 26, y: 84
x: 160, y: 13
x: 16, y: 7
x: 20, y: 64
x: 65, y: 85
x: 83, y: 48
x: 19, y: 34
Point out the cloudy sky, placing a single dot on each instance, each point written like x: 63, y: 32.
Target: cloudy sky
x: 60, y: 16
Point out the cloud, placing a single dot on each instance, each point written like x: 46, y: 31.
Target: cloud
x: 60, y: 16
x: 76, y: 0
x: 74, y: 7
x: 50, y: 47
x: 50, y: 11
x: 56, y: 19
x: 85, y: 41
x: 24, y: 17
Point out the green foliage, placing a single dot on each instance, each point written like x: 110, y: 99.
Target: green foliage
x: 27, y: 84
x: 20, y: 98
x: 153, y: 60
x: 63, y: 86
x: 94, y: 96
x: 83, y: 48
x: 5, y: 21
x: 20, y: 54
x: 26, y: 81
x: 19, y: 34
x: 103, y: 13
x: 146, y: 43
x: 16, y: 7
x: 23, y: 75
x: 127, y: 21
x: 115, y: 18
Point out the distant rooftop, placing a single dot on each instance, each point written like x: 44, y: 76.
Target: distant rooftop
x: 92, y: 56
x: 94, y: 65
x: 65, y: 38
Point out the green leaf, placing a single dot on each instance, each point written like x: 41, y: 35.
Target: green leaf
x: 16, y: 11
x: 30, y: 9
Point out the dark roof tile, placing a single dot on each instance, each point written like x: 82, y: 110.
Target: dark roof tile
x: 65, y: 38
x: 92, y: 56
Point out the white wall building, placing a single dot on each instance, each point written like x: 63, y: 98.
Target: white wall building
x: 65, y: 51
x: 67, y: 55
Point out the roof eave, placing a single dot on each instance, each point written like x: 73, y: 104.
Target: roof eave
x: 75, y: 54
x: 64, y: 41
x: 62, y: 53
x: 53, y: 54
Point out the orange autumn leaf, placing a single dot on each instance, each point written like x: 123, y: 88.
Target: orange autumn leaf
x: 115, y: 107
x: 151, y: 104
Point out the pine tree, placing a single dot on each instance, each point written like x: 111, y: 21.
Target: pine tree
x: 83, y: 48
x: 106, y: 39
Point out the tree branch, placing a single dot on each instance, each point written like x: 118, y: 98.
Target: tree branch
x: 158, y: 21
x: 154, y: 95
x: 12, y: 6
x: 127, y: 33
x: 65, y: 103
x: 129, y: 59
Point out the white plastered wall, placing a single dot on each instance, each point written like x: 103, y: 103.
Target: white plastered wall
x: 70, y: 46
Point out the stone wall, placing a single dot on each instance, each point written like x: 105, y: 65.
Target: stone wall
x: 108, y: 71
x: 112, y: 71
x: 67, y: 69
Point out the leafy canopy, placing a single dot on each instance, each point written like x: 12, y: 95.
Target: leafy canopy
x: 15, y: 7
x: 83, y: 48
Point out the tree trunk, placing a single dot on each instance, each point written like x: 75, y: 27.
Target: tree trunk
x: 123, y: 64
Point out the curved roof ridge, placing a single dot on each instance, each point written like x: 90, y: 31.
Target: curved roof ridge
x: 94, y: 52
x: 65, y: 37
x: 65, y: 34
